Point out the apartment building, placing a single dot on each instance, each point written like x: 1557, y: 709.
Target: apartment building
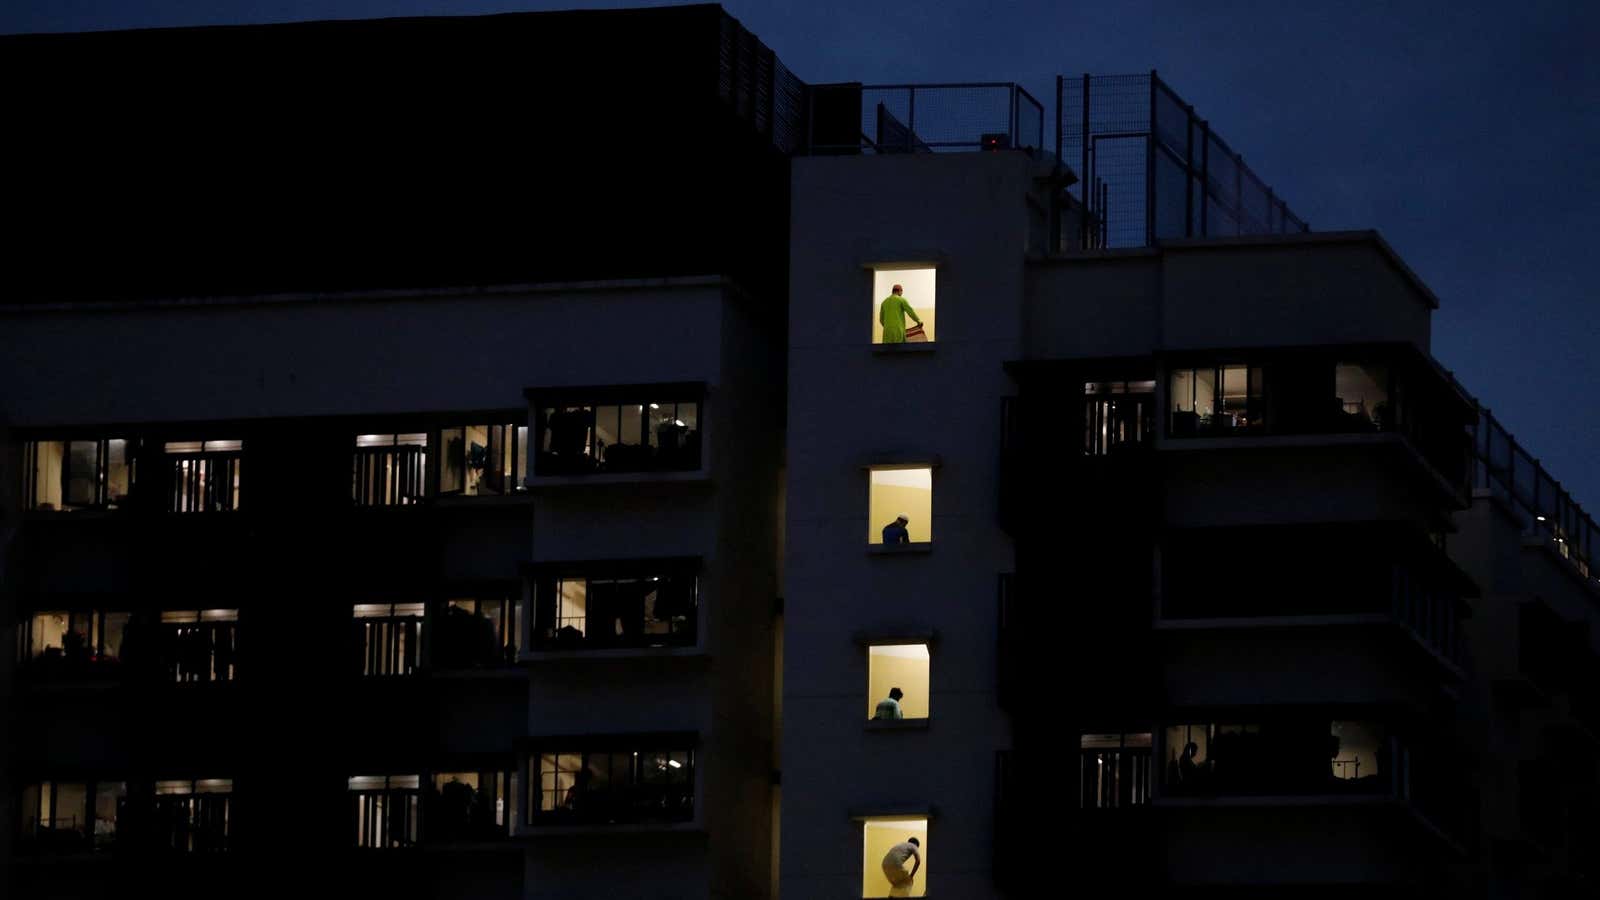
x: 500, y: 479
x: 412, y: 527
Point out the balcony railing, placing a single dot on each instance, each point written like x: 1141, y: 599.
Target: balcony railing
x: 191, y: 652
x: 1114, y: 778
x: 1503, y: 467
x: 387, y: 816
x: 204, y: 482
x: 388, y: 645
x: 925, y: 118
x: 390, y: 475
x: 1150, y: 169
x: 193, y: 823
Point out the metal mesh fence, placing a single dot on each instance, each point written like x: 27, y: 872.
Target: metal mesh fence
x: 1504, y: 468
x: 1151, y: 170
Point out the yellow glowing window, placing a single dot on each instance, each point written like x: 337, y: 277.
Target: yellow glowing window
x: 892, y: 849
x: 895, y: 321
x: 900, y: 507
x: 897, y: 681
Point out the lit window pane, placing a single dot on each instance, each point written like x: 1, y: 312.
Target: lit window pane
x: 896, y: 493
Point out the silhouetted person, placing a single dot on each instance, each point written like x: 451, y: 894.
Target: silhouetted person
x: 888, y: 709
x: 1188, y: 771
x: 580, y: 785
x: 895, y: 532
x: 894, y: 866
x: 892, y: 316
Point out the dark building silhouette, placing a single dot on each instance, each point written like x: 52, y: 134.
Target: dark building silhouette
x: 454, y: 457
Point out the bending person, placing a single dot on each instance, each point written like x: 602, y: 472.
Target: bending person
x: 892, y: 316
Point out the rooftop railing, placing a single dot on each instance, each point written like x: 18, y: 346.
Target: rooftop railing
x: 925, y: 118
x: 1149, y: 169
x: 1502, y: 467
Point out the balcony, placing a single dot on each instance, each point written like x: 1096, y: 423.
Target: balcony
x: 638, y: 605
x: 618, y: 430
x: 1370, y: 390
x: 1316, y: 577
x: 615, y: 782
x: 203, y: 476
x: 188, y: 816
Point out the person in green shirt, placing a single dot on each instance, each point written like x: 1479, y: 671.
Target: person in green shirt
x: 892, y: 315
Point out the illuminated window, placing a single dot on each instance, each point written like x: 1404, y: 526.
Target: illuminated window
x: 1289, y: 756
x: 645, y: 432
x: 198, y: 645
x: 1362, y: 391
x: 386, y: 810
x: 616, y: 785
x: 71, y: 816
x: 1114, y: 770
x: 82, y: 474
x: 476, y: 631
x: 482, y: 459
x: 895, y: 321
x: 64, y: 645
x: 897, y: 682
x: 900, y: 505
x: 468, y: 806
x: 1117, y: 415
x: 390, y: 469
x: 204, y: 475
x: 1216, y: 400
x: 192, y: 815
x: 892, y: 849
x: 653, y: 605
x: 389, y: 638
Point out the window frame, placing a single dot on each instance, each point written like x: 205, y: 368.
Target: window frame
x: 590, y: 399
x: 102, y: 439
x: 531, y: 752
x: 543, y: 588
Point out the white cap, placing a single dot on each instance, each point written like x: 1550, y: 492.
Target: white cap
x: 903, y: 517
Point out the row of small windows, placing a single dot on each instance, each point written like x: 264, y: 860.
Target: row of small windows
x: 490, y: 458
x: 640, y: 782
x: 1276, y: 757
x: 648, y: 606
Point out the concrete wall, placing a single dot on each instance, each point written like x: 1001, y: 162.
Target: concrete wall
x: 1266, y: 292
x: 850, y: 405
x: 347, y: 356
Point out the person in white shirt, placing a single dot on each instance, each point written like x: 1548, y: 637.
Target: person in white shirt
x: 894, y: 866
x: 889, y: 708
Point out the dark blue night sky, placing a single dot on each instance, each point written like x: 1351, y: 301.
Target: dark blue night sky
x: 1468, y: 133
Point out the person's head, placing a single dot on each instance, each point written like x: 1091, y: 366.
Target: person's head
x: 895, y: 694
x: 1191, y: 748
x: 901, y: 520
x: 896, y: 290
x: 913, y: 842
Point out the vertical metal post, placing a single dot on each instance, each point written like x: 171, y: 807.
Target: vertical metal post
x: 1059, y: 81
x: 1205, y: 176
x: 1188, y: 172
x: 1084, y: 174
x: 911, y: 119
x: 1238, y: 193
x: 1150, y: 168
x: 1012, y: 125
